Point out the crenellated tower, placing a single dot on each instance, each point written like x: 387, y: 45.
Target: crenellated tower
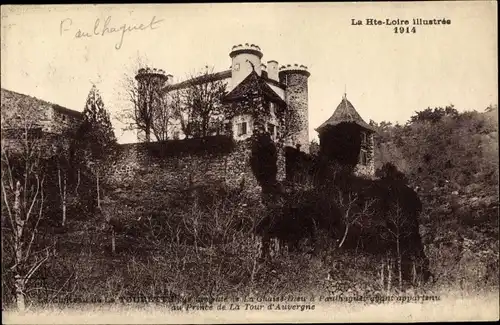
x: 245, y: 58
x: 295, y: 78
x: 150, y: 85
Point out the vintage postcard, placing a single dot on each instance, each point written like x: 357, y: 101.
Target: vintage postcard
x: 249, y: 163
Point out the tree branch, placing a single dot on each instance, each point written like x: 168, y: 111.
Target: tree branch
x: 8, y: 207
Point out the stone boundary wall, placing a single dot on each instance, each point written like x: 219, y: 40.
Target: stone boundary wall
x: 180, y: 171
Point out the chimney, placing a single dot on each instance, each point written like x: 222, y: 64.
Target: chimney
x: 170, y: 79
x: 263, y: 70
x: 272, y: 70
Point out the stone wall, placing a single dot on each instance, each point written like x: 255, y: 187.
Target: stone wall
x: 62, y: 122
x: 180, y: 171
x: 50, y: 117
x: 296, y: 97
x: 299, y: 166
x: 368, y: 170
x: 281, y: 162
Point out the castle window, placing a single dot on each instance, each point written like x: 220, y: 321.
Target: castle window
x: 272, y: 108
x: 272, y: 130
x: 363, y: 157
x: 242, y: 128
x: 364, y: 138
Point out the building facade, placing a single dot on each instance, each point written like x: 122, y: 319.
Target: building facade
x: 52, y: 118
x: 279, y: 93
x: 21, y: 112
x: 267, y: 97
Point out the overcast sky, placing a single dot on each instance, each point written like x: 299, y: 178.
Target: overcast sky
x: 387, y: 76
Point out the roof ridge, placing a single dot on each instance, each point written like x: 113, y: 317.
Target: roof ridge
x: 213, y: 76
x: 261, y: 84
x: 43, y: 101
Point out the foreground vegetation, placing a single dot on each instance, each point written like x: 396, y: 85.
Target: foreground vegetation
x: 137, y: 240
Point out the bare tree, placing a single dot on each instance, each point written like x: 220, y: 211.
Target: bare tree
x: 164, y: 115
x: 397, y: 227
x: 63, y: 193
x: 196, y: 106
x: 23, y: 195
x: 353, y: 210
x: 201, y: 112
x: 144, y: 98
x: 62, y: 159
x: 148, y: 102
x: 184, y: 112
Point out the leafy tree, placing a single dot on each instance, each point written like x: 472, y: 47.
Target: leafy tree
x: 451, y: 159
x: 434, y: 115
x: 491, y: 108
x: 95, y: 146
x: 314, y: 147
x: 389, y: 171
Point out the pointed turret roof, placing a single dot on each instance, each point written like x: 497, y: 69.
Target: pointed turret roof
x: 345, y: 113
x: 252, y: 86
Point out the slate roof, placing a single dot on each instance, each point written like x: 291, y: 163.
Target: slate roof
x: 345, y: 113
x: 253, y: 85
x: 198, y: 80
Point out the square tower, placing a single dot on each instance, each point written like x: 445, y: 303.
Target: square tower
x: 348, y: 140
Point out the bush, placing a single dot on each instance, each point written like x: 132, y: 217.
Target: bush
x: 219, y: 144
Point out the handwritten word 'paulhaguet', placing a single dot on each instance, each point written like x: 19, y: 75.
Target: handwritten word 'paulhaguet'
x: 102, y: 29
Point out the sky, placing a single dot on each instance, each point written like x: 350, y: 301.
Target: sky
x: 387, y: 76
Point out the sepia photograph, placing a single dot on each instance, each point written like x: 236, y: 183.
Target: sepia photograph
x: 250, y: 162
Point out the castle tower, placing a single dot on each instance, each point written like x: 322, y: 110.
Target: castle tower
x: 295, y: 77
x: 150, y: 85
x: 256, y: 105
x: 347, y: 139
x: 243, y: 57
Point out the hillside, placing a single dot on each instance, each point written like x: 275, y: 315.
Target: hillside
x: 161, y: 240
x: 451, y: 159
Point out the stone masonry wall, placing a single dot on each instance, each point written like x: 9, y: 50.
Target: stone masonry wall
x: 62, y: 122
x: 297, y: 100
x: 232, y: 169
x: 367, y: 170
